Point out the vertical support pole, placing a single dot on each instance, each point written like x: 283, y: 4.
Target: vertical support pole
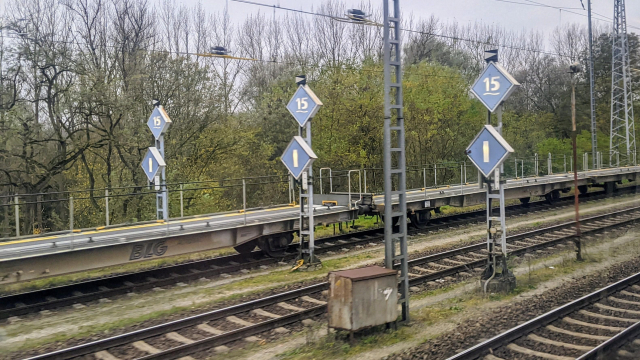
x: 461, y: 180
x: 522, y: 169
x: 71, y: 213
x: 17, y: 213
x: 549, y: 165
x: 536, y: 163
x: 162, y: 196
x: 106, y: 206
x: 365, y: 180
x: 424, y: 178
x: 594, y: 142
x: 182, y: 199
x: 244, y: 199
x: 465, y: 171
x: 310, y: 201
x: 435, y: 175
x: 394, y: 154
x: 564, y: 161
x: 515, y: 163
x: 576, y: 203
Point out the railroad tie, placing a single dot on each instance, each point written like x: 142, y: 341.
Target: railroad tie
x: 544, y: 340
x: 284, y: 305
x: 577, y: 334
x: 422, y: 270
x: 179, y: 338
x: 438, y: 266
x: 629, y: 293
x: 105, y: 355
x: 312, y: 300
x: 623, y: 301
x: 612, y: 308
x: 265, y: 313
x: 143, y: 346
x: 524, y: 350
x: 209, y: 329
x: 607, y: 317
x: 593, y: 326
x: 453, y: 262
x: 237, y: 320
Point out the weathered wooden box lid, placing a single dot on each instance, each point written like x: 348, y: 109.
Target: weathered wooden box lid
x: 370, y: 272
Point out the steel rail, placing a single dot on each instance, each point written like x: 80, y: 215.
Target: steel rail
x: 141, y: 334
x: 85, y: 291
x: 227, y: 337
x: 519, y: 331
x: 115, y: 285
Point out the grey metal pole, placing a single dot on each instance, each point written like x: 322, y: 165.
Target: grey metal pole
x: 564, y: 156
x: 182, y: 199
x: 17, y: 213
x: 594, y: 143
x: 71, y: 213
x: 435, y: 175
x: 515, y: 163
x: 310, y: 201
x: 394, y: 125
x: 106, y: 206
x: 244, y: 199
x: 549, y: 165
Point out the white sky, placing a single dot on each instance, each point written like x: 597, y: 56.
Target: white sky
x: 512, y: 16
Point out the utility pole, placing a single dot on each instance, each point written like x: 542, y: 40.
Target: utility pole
x: 395, y: 237
x: 574, y: 69
x: 622, y: 135
x: 594, y: 142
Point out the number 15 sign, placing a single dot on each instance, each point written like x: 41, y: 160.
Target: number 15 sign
x: 304, y: 104
x: 494, y: 86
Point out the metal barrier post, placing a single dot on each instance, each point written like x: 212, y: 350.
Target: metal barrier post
x: 71, y: 213
x: 617, y: 159
x: 182, y: 200
x: 549, y: 165
x: 330, y: 180
x: 424, y: 178
x: 17, y: 211
x: 515, y: 165
x: 435, y: 175
x: 360, y: 186
x: 571, y: 163
x: 536, y: 163
x: 565, y: 162
x: 106, y: 206
x: 461, y: 182
x: 244, y: 200
x: 465, y: 171
x: 365, y: 180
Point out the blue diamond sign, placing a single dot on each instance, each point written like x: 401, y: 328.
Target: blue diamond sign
x: 494, y: 86
x: 304, y: 104
x: 152, y: 162
x: 158, y: 122
x: 297, y: 156
x: 488, y: 150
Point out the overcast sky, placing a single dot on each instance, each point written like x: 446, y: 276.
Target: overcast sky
x: 512, y: 14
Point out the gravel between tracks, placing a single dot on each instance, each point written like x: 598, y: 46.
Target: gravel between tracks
x: 479, y: 328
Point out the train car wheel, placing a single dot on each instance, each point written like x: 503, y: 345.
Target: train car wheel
x: 275, y: 245
x: 420, y: 219
x: 246, y: 248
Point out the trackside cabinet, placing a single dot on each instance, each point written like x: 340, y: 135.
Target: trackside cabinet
x: 361, y: 298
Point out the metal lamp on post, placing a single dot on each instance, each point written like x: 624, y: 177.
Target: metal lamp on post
x: 573, y: 70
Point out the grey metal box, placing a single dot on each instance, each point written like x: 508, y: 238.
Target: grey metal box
x: 361, y: 298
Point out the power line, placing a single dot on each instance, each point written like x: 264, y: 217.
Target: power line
x: 455, y: 38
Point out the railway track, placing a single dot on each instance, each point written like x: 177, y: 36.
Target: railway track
x: 602, y: 325
x: 24, y: 303
x: 216, y: 329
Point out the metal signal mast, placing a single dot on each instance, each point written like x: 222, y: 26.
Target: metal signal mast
x: 623, y: 135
